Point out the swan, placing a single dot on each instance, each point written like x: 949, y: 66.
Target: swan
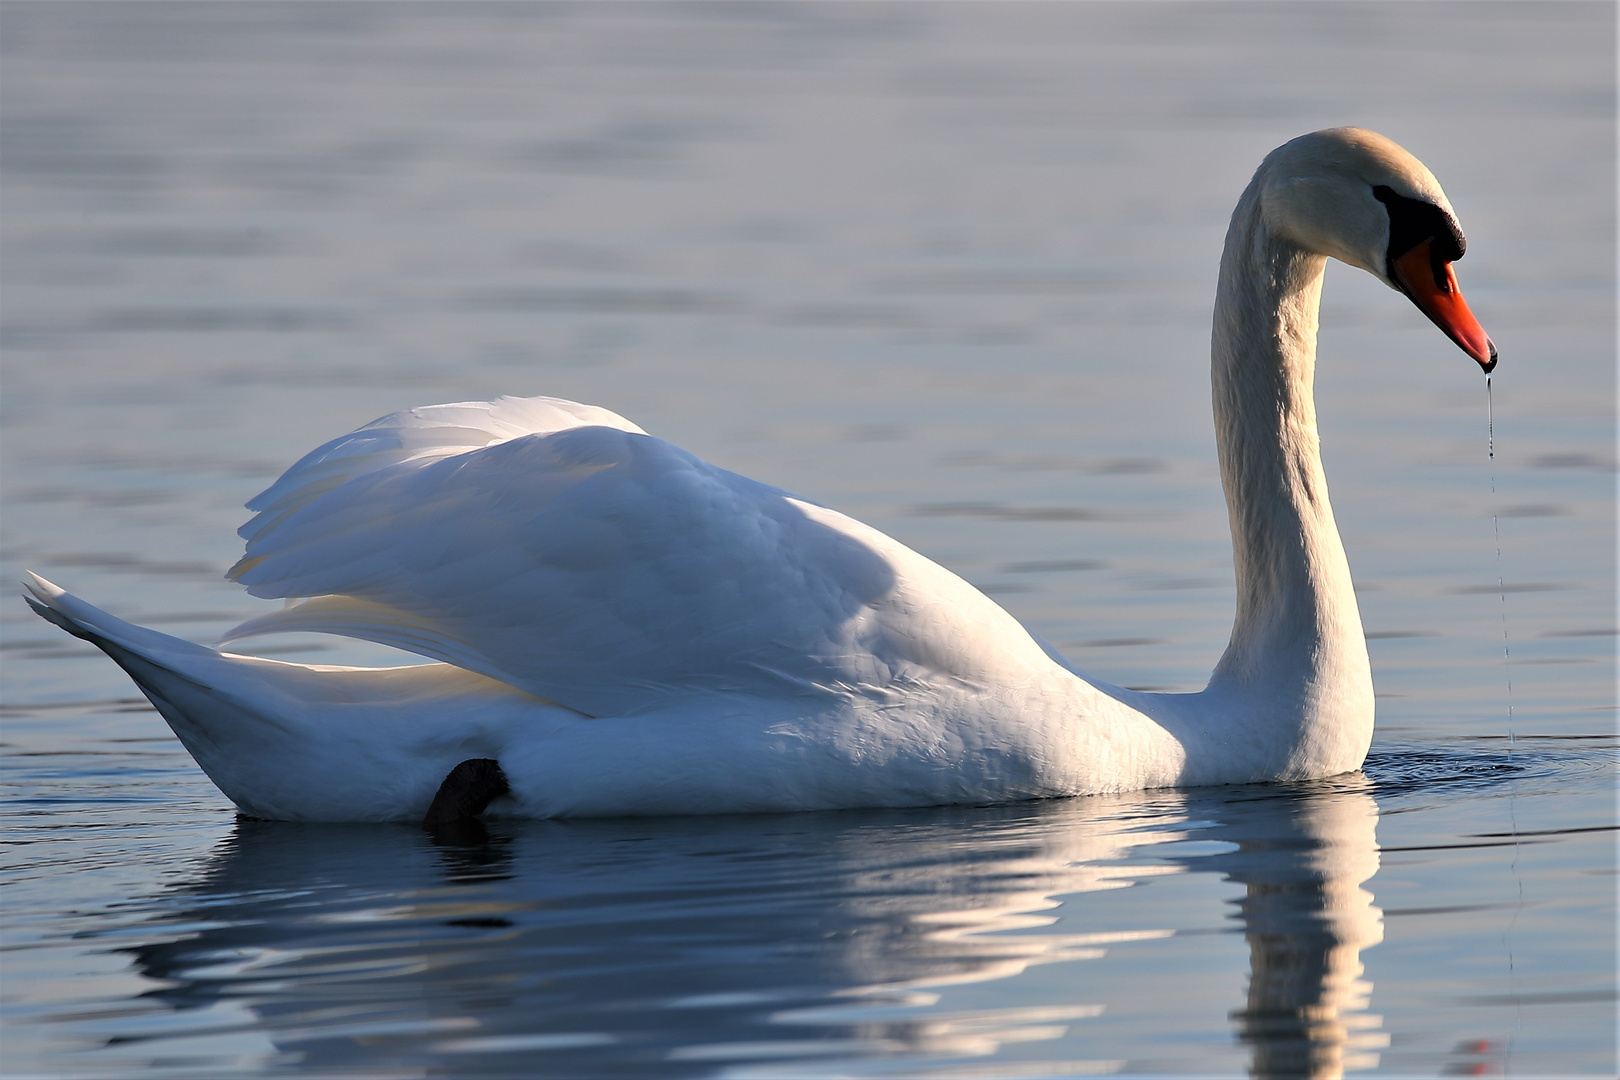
x: 619, y: 627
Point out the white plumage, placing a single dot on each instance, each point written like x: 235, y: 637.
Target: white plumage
x: 629, y: 629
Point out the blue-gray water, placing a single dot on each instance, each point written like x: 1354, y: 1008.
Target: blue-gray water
x: 945, y: 267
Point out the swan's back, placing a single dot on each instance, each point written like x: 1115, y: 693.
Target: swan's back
x: 561, y: 550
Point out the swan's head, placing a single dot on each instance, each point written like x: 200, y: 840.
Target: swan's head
x: 1358, y: 197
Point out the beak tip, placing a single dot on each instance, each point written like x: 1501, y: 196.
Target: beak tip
x: 1490, y: 364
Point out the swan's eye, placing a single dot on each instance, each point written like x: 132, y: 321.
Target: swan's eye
x: 1412, y: 221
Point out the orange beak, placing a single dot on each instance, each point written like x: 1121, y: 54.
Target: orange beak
x: 1433, y: 288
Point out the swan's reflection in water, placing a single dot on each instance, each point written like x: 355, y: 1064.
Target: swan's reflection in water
x: 821, y: 944
x: 1306, y: 917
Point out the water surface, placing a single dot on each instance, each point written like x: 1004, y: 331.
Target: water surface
x: 945, y: 267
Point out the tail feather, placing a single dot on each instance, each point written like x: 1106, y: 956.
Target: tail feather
x: 190, y: 685
x: 308, y: 742
x: 89, y: 622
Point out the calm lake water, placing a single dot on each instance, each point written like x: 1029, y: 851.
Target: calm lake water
x: 948, y: 268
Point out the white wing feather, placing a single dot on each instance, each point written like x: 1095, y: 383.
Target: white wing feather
x: 594, y: 565
x: 421, y: 435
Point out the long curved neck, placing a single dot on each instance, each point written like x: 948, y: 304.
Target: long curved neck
x: 1297, y: 649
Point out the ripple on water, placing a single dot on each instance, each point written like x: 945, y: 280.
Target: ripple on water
x: 1484, y: 762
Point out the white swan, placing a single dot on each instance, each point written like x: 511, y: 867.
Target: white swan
x: 627, y: 629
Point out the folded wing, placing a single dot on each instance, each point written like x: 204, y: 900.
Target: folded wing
x: 589, y: 563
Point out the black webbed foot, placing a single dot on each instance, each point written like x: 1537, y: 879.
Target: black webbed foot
x: 466, y: 791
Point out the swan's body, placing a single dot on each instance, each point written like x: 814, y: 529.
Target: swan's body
x: 630, y: 630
